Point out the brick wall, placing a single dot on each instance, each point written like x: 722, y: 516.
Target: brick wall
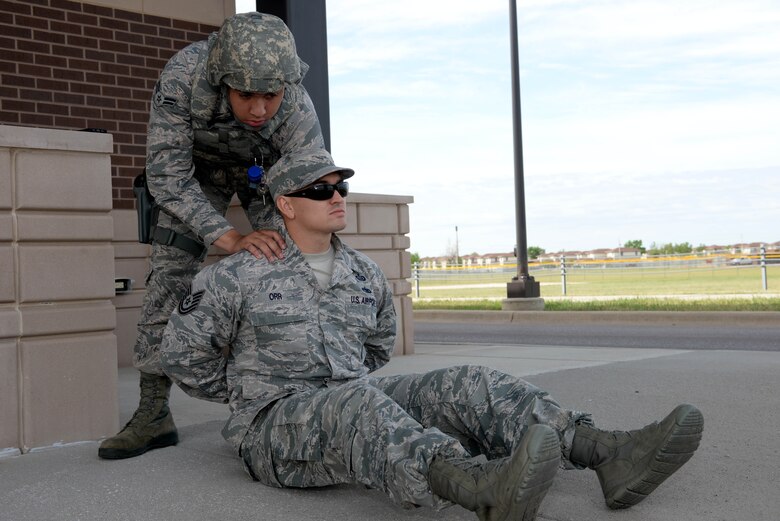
x: 71, y: 65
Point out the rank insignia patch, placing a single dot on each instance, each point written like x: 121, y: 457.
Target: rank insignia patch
x: 190, y: 302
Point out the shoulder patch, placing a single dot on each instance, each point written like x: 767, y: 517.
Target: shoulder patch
x: 190, y: 302
x: 160, y: 99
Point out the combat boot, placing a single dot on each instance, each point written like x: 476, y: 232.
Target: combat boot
x: 151, y: 426
x: 630, y: 465
x: 508, y: 488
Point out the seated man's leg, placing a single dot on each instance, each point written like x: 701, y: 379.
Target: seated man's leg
x: 631, y: 465
x: 355, y: 433
x: 488, y: 411
x: 349, y: 433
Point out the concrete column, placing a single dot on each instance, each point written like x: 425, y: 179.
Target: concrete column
x: 58, y: 379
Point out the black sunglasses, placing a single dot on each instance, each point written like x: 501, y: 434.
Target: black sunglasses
x: 322, y: 191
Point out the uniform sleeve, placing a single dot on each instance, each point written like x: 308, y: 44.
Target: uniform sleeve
x: 199, y: 334
x: 379, y: 345
x: 301, y: 128
x: 170, y: 139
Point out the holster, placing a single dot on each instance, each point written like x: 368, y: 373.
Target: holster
x: 147, y: 210
x: 149, y: 232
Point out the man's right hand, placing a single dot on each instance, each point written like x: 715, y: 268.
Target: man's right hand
x: 259, y: 242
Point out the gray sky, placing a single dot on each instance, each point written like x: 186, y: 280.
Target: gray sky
x: 654, y: 120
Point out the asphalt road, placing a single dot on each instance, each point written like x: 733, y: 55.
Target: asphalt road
x: 657, y: 336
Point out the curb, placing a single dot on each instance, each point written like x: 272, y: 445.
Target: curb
x: 731, y: 318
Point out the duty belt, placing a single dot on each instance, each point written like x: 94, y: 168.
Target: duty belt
x: 171, y: 238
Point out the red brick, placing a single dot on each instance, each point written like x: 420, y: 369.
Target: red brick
x: 90, y: 54
x: 141, y: 117
x: 9, y: 117
x: 61, y: 50
x: 112, y: 23
x: 98, y: 10
x: 115, y: 92
x: 140, y: 50
x: 100, y: 34
x: 31, y: 21
x: 8, y: 43
x: 8, y: 67
x: 110, y: 45
x: 85, y: 88
x: 122, y: 36
x: 35, y: 94
x: 143, y: 29
x: 175, y: 34
x: 95, y: 101
x: 117, y: 115
x: 11, y: 31
x: 50, y: 61
x: 83, y: 65
x: 6, y: 18
x: 84, y: 19
x: 64, y: 27
x: 69, y: 122
x: 51, y: 108
x: 128, y: 15
x: 134, y: 127
x: 129, y: 59
x: 42, y: 48
x: 68, y: 99
x: 126, y: 104
x: 115, y: 69
x: 82, y: 41
x: 19, y: 81
x: 139, y: 139
x: 15, y: 105
x: 122, y: 137
x: 142, y: 72
x: 187, y: 26
x: 8, y: 92
x: 100, y: 79
x: 85, y: 112
x: 51, y: 14
x: 15, y: 7
x: 54, y: 85
x: 67, y: 74
x: 154, y: 63
x: 65, y: 4
x: 122, y: 160
x: 156, y: 41
x: 34, y: 70
x: 36, y: 120
x: 48, y: 36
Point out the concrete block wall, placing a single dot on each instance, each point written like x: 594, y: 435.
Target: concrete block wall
x: 378, y: 225
x: 57, y: 345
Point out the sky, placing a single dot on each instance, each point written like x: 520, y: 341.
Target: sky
x: 647, y: 120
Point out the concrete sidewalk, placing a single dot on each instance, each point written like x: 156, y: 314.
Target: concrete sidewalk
x: 733, y: 476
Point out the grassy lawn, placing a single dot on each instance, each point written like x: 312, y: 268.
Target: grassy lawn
x: 464, y: 290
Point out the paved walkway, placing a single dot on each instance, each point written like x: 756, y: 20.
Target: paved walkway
x: 733, y: 476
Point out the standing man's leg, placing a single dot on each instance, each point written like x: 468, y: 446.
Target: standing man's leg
x: 170, y: 274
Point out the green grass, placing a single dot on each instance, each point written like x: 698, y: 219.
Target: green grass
x: 636, y: 288
x: 621, y: 304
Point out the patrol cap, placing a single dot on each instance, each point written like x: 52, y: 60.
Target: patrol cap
x: 254, y: 52
x: 299, y: 169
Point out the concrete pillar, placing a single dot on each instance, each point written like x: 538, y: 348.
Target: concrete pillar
x: 58, y: 378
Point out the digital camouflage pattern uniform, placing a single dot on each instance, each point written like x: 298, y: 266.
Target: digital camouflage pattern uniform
x: 198, y: 153
x: 306, y: 411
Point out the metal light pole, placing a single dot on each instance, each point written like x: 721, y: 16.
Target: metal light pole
x: 523, y: 285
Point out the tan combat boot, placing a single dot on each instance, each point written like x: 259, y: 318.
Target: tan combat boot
x: 630, y: 465
x: 151, y: 426
x: 508, y: 488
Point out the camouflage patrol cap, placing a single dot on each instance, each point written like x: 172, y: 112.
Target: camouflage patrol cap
x: 254, y: 52
x: 300, y: 169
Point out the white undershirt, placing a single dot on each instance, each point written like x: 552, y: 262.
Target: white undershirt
x: 322, y: 265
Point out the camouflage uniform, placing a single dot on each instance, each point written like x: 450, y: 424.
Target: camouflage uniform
x: 305, y: 410
x: 198, y: 153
